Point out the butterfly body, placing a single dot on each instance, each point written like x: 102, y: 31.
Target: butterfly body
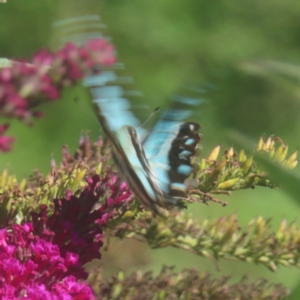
x: 136, y: 168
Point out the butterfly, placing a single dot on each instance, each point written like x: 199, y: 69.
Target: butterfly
x: 155, y: 165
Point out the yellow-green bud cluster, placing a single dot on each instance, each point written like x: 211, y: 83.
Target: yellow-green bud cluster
x: 221, y: 238
x: 233, y: 171
x: 279, y: 153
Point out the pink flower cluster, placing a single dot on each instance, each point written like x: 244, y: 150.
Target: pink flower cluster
x: 44, y: 259
x: 72, y: 63
x: 32, y: 268
x: 25, y: 85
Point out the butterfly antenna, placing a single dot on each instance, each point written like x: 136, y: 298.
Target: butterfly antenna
x: 150, y: 116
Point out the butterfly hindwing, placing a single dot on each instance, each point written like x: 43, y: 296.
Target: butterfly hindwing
x: 172, y: 142
x: 183, y: 148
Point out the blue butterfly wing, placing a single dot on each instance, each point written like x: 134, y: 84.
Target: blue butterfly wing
x: 120, y: 125
x: 156, y: 169
x: 170, y: 146
x: 111, y: 100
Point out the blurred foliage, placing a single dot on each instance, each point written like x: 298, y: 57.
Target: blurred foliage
x: 249, y: 50
x: 187, y: 284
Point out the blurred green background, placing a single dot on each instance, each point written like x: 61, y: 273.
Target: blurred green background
x: 249, y: 49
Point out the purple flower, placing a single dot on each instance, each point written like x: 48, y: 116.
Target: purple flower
x: 69, y: 286
x: 44, y: 259
x: 77, y: 221
x: 36, y: 269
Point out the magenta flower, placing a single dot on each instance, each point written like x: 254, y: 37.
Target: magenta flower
x: 44, y: 259
x: 32, y: 268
